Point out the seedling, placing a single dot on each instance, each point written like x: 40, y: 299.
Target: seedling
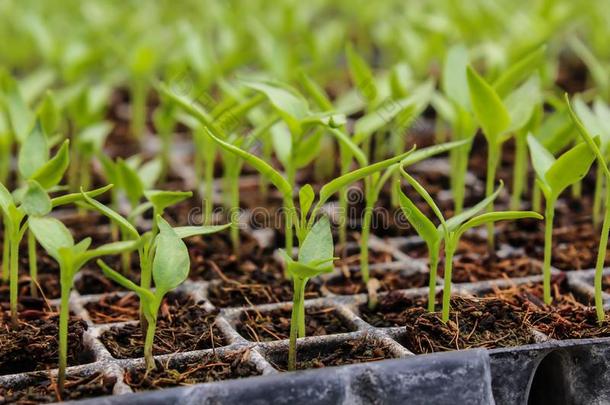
x: 603, y: 240
x: 170, y: 267
x: 313, y: 257
x: 450, y: 231
x: 553, y: 176
x: 57, y: 240
x: 500, y: 118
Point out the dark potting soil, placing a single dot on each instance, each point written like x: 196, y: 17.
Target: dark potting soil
x: 112, y: 308
x: 566, y: 318
x: 351, y: 258
x: 212, y: 368
x: 469, y: 243
x: 265, y: 326
x: 574, y: 246
x: 350, y: 282
x: 261, y: 286
x: 390, y: 309
x: 473, y: 322
x: 183, y: 325
x: 216, y: 251
x: 34, y: 344
x: 94, y: 282
x: 348, y: 352
x: 41, y: 389
x: 470, y: 268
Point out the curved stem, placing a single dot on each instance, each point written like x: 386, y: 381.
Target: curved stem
x: 449, y: 251
x: 433, y: 263
x: 601, y: 256
x: 294, y: 323
x: 32, y: 259
x: 492, y: 164
x: 364, y: 240
x: 548, y: 245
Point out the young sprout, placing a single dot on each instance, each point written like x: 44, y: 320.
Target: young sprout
x: 57, y: 240
x: 500, y: 118
x: 553, y: 176
x: 170, y: 267
x: 308, y: 264
x: 596, y: 121
x: 603, y: 240
x: 449, y: 231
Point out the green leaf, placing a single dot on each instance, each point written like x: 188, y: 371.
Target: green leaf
x: 268, y: 172
x: 422, y: 225
x: 36, y: 201
x: 75, y: 197
x: 113, y: 248
x: 125, y: 225
x: 52, y: 172
x: 519, y: 71
x: 589, y: 140
x: 337, y: 184
x: 495, y: 217
x: 48, y: 113
x: 569, y: 168
x: 124, y: 281
x: 91, y: 139
x: 130, y: 182
x: 282, y: 143
x: 454, y: 222
x: 592, y: 122
x: 362, y: 76
x: 424, y: 194
x: 455, y: 84
x: 171, y: 264
x: 374, y: 121
x: 542, y: 159
x: 150, y: 172
x: 6, y: 199
x: 161, y: 199
x: 306, y: 197
x: 19, y: 115
x: 184, y: 232
x: 315, y: 92
x: 522, y: 103
x: 318, y: 244
x: 309, y: 149
x: 34, y: 152
x: 487, y: 106
x: 425, y: 153
x: 52, y: 235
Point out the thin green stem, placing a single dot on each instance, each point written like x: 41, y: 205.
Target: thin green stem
x: 601, y: 256
x: 364, y: 239
x: 33, y: 263
x: 449, y: 251
x: 433, y: 263
x: 64, y: 314
x: 6, y: 250
x: 346, y: 159
x: 138, y: 105
x: 149, y: 343
x: 14, y: 277
x: 294, y: 323
x: 492, y: 165
x: 288, y: 226
x: 548, y: 245
x: 598, y: 196
x: 519, y: 172
x: 234, y: 196
x: 536, y: 198
x: 302, y: 331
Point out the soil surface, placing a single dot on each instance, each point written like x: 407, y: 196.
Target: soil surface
x: 212, y: 368
x: 44, y: 390
x: 264, y: 326
x: 34, y: 344
x: 348, y: 352
x: 112, y: 308
x: 470, y: 268
x: 183, y: 325
x: 566, y: 318
x: 350, y: 282
x: 473, y: 322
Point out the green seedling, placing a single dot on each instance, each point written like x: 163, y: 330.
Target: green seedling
x: 553, y: 176
x: 449, y: 231
x: 602, y: 163
x: 58, y: 242
x: 170, y: 267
